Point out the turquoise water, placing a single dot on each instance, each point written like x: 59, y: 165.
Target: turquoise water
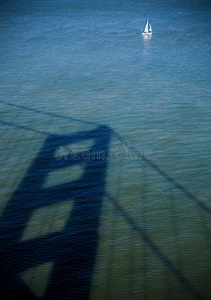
x: 87, y: 65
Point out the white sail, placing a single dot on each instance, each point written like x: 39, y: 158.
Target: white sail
x: 146, y: 29
x: 150, y: 28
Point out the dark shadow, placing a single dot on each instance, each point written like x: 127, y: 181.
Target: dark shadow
x: 73, y: 249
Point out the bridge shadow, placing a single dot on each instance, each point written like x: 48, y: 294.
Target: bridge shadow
x: 66, y: 251
x: 50, y: 227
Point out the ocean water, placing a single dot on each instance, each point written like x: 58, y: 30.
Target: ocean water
x: 105, y: 139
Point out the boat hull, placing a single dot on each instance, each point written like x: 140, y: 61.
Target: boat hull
x: 146, y: 33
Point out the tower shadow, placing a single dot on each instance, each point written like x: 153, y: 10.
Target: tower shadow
x: 70, y: 248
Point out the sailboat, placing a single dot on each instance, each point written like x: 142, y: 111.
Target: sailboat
x: 147, y: 29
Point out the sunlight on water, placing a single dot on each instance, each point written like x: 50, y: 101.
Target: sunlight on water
x: 47, y: 220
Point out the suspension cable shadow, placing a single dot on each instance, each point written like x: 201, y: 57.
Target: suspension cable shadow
x: 168, y: 178
x: 165, y: 260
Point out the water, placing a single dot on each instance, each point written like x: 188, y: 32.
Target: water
x: 87, y: 65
